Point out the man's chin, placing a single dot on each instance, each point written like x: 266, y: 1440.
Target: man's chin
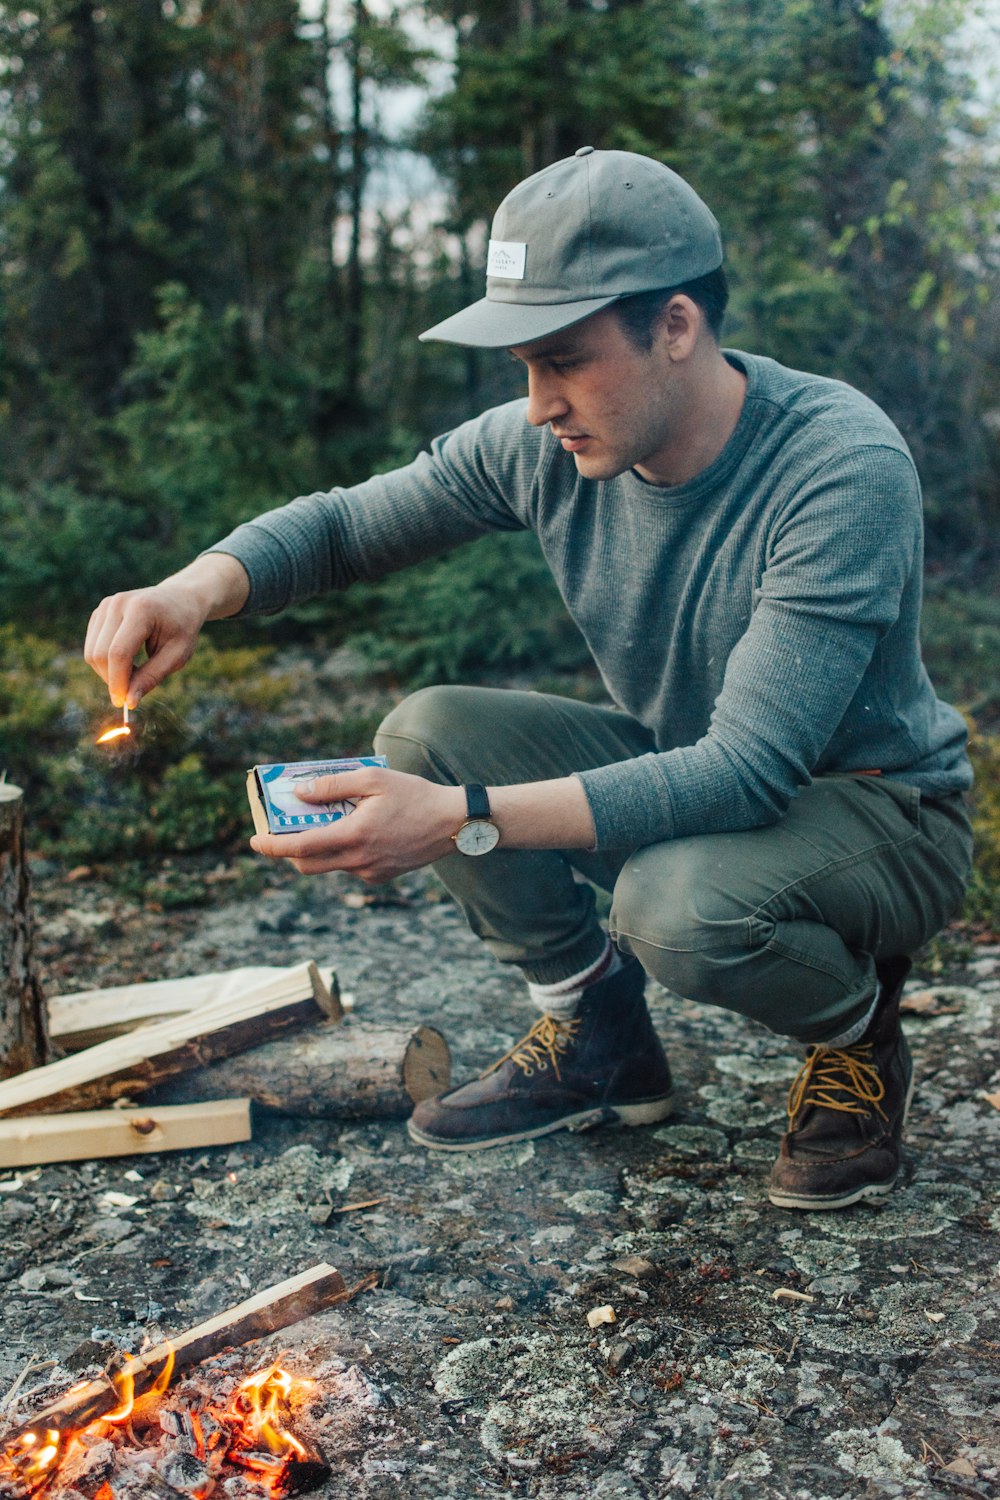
x: 598, y: 466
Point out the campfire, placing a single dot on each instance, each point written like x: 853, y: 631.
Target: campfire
x: 190, y: 1445
x: 122, y: 1435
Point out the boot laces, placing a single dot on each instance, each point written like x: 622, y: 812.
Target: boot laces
x: 830, y: 1073
x: 541, y: 1048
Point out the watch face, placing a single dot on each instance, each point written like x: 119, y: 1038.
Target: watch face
x: 477, y: 836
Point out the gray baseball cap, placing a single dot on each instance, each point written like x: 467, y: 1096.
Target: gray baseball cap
x: 578, y: 236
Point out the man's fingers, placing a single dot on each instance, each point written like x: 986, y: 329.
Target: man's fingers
x: 364, y: 782
x: 329, y: 842
x: 168, y: 659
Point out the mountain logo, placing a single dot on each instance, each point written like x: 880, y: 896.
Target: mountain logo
x: 507, y: 259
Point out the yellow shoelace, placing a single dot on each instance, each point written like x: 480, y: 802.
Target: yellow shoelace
x: 540, y: 1048
x: 847, y: 1070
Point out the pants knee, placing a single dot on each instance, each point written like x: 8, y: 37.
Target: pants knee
x: 687, y: 933
x: 419, y: 732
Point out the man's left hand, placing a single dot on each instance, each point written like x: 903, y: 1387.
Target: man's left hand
x: 401, y: 822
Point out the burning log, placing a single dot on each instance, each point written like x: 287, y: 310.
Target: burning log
x: 348, y: 1072
x: 24, y: 1040
x: 92, y: 1016
x: 111, y: 1396
x: 129, y: 1065
x: 88, y: 1134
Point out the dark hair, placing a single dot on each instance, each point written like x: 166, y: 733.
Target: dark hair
x: 638, y: 314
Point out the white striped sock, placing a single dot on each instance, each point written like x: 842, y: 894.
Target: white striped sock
x: 561, y: 999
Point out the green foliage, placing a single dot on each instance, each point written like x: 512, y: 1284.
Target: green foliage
x: 983, y: 900
x: 212, y: 418
x: 485, y: 607
x: 961, y: 641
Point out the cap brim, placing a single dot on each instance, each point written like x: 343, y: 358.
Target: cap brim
x: 503, y: 325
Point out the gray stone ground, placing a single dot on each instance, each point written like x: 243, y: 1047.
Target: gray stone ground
x: 471, y: 1369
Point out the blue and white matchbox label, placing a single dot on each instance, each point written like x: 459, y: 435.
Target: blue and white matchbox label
x: 286, y: 812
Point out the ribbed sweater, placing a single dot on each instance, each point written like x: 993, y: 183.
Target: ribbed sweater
x: 760, y: 620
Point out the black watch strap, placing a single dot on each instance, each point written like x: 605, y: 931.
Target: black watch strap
x: 476, y: 801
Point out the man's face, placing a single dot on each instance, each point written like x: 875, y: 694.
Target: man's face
x: 613, y: 406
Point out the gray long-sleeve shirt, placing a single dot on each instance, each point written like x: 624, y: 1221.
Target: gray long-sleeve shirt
x: 761, y: 620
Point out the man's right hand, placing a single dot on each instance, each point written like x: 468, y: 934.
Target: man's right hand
x: 165, y: 620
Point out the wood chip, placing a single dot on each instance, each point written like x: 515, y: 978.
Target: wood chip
x: 933, y: 1317
x: 349, y: 1208
x: 790, y: 1296
x: 634, y: 1265
x: 928, y: 1003
x: 960, y: 1466
x: 993, y: 1099
x: 599, y: 1315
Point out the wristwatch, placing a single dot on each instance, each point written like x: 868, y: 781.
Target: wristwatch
x: 478, y: 834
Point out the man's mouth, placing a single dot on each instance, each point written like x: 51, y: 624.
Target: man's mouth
x: 571, y: 442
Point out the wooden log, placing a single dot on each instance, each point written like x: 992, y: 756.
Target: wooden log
x: 129, y: 1065
x: 24, y: 1041
x: 92, y: 1016
x: 32, y: 1140
x: 352, y: 1071
x: 279, y: 1306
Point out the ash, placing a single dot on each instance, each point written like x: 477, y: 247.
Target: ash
x: 471, y: 1370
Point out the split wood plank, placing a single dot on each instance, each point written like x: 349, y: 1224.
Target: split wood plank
x: 278, y: 1307
x: 33, y: 1140
x: 129, y: 1065
x: 92, y: 1016
x: 352, y: 1071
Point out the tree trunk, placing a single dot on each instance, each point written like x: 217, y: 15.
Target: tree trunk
x: 24, y: 1039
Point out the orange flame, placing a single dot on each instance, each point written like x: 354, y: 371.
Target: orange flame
x: 258, y: 1407
x: 162, y: 1380
x: 33, y: 1459
x: 113, y: 734
x: 253, y: 1433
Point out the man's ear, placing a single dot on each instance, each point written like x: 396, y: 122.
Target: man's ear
x: 679, y: 325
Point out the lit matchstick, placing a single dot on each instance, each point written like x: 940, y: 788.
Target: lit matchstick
x: 118, y: 731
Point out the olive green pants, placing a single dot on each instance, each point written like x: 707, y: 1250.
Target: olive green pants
x: 782, y: 923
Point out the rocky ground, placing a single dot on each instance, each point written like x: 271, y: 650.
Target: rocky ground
x: 754, y: 1351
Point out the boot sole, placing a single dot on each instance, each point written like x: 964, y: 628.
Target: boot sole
x: 610, y: 1114
x: 874, y: 1192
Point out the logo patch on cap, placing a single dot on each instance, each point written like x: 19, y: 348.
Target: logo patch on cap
x: 507, y: 259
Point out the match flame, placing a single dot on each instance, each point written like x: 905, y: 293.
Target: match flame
x: 119, y: 729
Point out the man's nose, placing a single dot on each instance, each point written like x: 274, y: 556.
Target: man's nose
x: 546, y: 403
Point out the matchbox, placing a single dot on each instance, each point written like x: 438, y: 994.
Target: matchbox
x: 276, y: 807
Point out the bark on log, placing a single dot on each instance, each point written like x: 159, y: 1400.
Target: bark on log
x: 278, y: 1307
x: 129, y: 1065
x: 349, y: 1071
x: 24, y: 1041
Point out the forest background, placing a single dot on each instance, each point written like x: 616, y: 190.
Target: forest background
x: 216, y: 251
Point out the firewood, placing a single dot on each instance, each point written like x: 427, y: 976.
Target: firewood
x: 24, y: 1039
x: 278, y: 1307
x: 33, y: 1140
x: 92, y: 1016
x: 351, y: 1071
x: 128, y: 1065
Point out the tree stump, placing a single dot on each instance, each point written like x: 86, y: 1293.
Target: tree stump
x: 24, y: 1039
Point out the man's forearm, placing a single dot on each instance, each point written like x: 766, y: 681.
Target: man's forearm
x: 543, y: 815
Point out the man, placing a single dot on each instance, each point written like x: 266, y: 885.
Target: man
x: 775, y: 802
